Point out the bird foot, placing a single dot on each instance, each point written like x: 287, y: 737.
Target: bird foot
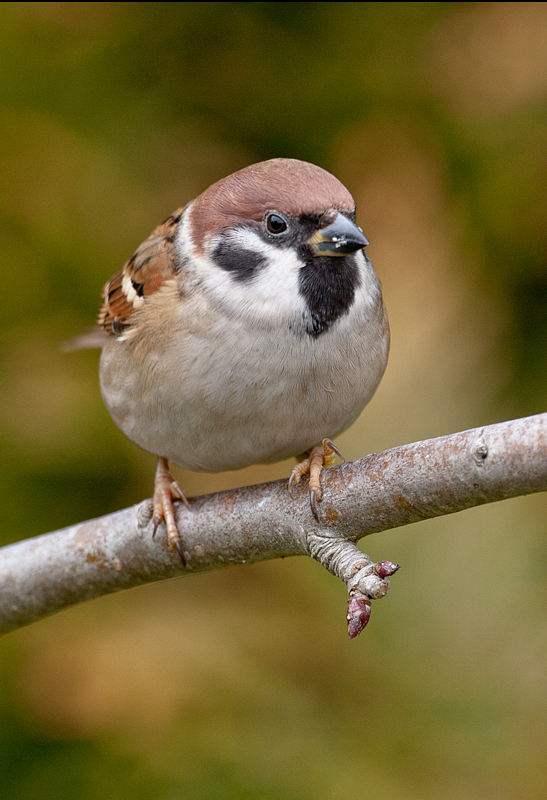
x: 314, y: 462
x: 166, y: 491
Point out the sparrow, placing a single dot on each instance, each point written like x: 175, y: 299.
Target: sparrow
x: 248, y: 327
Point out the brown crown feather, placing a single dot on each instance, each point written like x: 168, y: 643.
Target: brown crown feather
x: 281, y: 184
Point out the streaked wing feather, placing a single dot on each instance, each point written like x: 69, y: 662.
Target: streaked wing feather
x: 145, y: 272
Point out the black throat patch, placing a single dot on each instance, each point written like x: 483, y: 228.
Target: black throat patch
x: 328, y: 285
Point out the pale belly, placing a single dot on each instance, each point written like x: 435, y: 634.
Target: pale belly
x: 209, y: 406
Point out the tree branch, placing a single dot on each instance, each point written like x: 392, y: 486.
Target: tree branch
x: 397, y: 487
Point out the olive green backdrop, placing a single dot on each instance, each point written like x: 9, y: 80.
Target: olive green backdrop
x: 243, y: 683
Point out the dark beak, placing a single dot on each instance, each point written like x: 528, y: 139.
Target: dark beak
x: 339, y: 238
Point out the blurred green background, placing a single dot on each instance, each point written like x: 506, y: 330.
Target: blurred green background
x: 243, y: 683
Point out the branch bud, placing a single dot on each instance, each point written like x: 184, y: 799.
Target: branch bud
x: 358, y: 615
x: 385, y: 568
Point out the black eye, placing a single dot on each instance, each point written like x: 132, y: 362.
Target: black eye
x: 276, y: 224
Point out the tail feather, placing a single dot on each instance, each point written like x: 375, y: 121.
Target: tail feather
x: 95, y: 337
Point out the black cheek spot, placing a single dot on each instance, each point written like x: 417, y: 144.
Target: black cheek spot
x: 243, y: 264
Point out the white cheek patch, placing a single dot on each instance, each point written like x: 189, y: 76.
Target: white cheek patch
x: 270, y: 294
x: 368, y: 291
x: 273, y: 288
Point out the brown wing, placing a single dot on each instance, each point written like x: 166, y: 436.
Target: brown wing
x: 145, y: 272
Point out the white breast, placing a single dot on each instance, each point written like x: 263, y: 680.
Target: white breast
x: 214, y: 386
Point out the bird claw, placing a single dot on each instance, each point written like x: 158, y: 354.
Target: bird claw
x: 156, y: 519
x: 313, y: 462
x: 167, y: 490
x: 178, y: 494
x: 178, y: 548
x: 296, y: 474
x: 313, y: 503
x: 329, y: 444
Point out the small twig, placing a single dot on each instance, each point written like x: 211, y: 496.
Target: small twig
x: 385, y: 490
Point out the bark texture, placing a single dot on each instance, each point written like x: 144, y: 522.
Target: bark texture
x: 385, y: 490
